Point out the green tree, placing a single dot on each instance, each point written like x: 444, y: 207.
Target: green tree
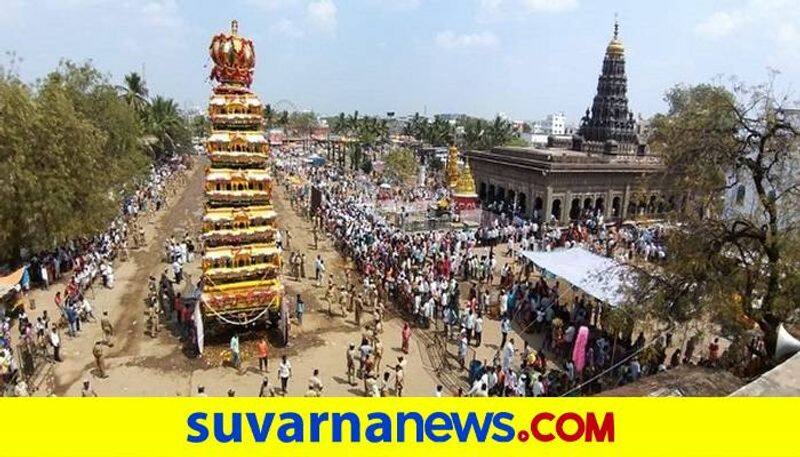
x: 516, y: 142
x: 169, y: 129
x: 737, y: 266
x: 70, y: 149
x: 474, y: 133
x: 401, y: 165
x: 269, y: 116
x: 134, y: 92
x: 338, y: 124
x: 200, y: 126
x: 302, y: 123
x: 439, y: 133
x: 416, y: 127
x: 499, y: 132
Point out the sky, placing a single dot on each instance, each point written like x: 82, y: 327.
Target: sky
x: 522, y: 58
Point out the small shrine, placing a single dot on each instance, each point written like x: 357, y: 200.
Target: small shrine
x: 451, y: 168
x: 464, y: 195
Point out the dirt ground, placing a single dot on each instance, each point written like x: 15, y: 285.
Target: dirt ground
x: 139, y: 365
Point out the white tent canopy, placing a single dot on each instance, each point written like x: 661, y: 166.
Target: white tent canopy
x: 598, y: 276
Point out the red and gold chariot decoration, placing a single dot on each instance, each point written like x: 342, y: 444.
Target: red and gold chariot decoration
x: 241, y: 262
x: 234, y: 58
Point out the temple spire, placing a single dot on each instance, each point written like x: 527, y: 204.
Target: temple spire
x: 609, y: 118
x: 234, y: 27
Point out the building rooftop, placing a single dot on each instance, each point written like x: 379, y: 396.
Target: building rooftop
x: 566, y: 160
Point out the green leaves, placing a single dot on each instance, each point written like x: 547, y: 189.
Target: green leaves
x: 401, y: 165
x: 732, y: 261
x: 169, y: 129
x: 477, y: 133
x: 69, y: 149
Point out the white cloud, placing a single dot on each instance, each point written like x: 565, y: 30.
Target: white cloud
x: 271, y: 5
x: 322, y: 14
x: 160, y: 13
x: 776, y: 20
x: 720, y: 24
x: 490, y: 6
x: 549, y: 6
x: 399, y: 4
x: 449, y: 39
x: 286, y: 28
x: 505, y: 9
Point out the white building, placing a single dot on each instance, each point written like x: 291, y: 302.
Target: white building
x: 555, y: 124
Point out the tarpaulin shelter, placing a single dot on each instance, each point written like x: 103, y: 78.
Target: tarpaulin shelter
x: 10, y: 287
x: 601, y: 277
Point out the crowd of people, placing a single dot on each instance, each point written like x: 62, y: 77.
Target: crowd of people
x: 85, y: 260
x: 450, y: 281
x: 625, y: 242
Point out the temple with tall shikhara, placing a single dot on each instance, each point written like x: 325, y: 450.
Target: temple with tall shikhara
x: 604, y: 168
x: 609, y: 126
x: 241, y: 262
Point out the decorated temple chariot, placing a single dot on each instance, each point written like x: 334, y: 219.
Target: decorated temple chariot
x: 241, y: 262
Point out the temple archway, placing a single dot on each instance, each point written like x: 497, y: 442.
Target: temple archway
x: 600, y: 205
x: 632, y: 207
x: 616, y: 207
x: 556, y: 209
x: 538, y: 205
x: 501, y: 194
x: 575, y: 209
x: 587, y: 203
x: 491, y: 195
x: 522, y: 203
x: 482, y: 191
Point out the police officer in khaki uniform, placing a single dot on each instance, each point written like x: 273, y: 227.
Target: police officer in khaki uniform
x: 378, y: 353
x: 359, y: 305
x: 352, y: 356
x: 343, y: 301
x: 108, y: 329
x: 153, y: 321
x: 99, y: 358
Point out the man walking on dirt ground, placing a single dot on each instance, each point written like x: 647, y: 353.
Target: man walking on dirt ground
x: 99, y: 358
x: 352, y: 355
x: 108, y: 329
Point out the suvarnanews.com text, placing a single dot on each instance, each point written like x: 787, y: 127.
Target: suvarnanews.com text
x: 399, y: 427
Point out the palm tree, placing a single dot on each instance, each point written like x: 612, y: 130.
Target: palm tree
x: 134, y: 92
x: 500, y: 132
x: 474, y: 130
x: 416, y: 127
x: 439, y: 133
x: 283, y: 119
x: 353, y: 122
x: 164, y: 122
x: 339, y: 124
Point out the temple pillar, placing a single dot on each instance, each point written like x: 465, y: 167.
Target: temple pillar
x: 607, y: 204
x: 626, y: 200
x: 566, y: 206
x: 548, y: 204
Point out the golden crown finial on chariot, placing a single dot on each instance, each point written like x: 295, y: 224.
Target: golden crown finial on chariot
x: 233, y: 56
